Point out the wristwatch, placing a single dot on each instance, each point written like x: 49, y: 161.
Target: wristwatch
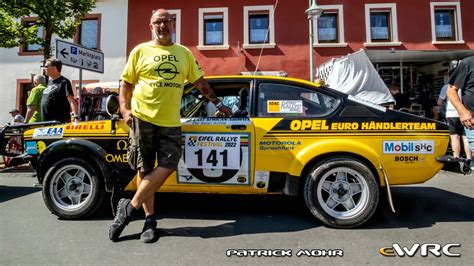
x: 73, y: 115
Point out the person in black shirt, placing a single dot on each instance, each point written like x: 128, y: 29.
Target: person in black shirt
x: 401, y: 100
x: 58, y: 101
x: 463, y: 79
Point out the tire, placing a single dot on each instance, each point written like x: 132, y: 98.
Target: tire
x: 73, y: 189
x: 341, y: 192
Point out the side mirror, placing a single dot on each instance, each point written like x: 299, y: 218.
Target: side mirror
x: 112, y: 105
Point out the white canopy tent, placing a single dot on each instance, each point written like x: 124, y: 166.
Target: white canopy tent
x: 355, y: 75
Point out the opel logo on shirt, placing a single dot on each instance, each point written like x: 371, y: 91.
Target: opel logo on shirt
x: 167, y: 71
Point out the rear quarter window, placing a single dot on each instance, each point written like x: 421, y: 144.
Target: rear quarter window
x: 285, y: 100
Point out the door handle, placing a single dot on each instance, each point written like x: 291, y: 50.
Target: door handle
x: 238, y: 127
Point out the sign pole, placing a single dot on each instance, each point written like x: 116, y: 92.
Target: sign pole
x: 79, y: 93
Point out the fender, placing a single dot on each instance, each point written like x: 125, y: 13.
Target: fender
x: 334, y: 146
x: 77, y: 146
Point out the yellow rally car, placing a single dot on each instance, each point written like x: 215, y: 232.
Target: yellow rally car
x: 287, y: 136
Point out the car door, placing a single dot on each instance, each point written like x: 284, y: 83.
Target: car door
x: 279, y: 106
x: 217, y: 151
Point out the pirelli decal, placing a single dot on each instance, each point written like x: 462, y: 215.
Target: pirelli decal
x: 302, y: 125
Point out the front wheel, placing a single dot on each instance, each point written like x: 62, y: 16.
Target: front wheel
x: 73, y: 189
x: 341, y: 192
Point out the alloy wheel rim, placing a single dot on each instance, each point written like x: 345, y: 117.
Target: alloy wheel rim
x: 343, y: 193
x: 71, y: 187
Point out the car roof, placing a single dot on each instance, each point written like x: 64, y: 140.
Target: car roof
x: 264, y: 78
x: 106, y: 86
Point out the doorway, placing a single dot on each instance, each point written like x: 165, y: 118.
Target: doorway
x: 23, y: 89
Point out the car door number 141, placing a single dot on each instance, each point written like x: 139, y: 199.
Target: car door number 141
x: 212, y: 151
x: 213, y: 158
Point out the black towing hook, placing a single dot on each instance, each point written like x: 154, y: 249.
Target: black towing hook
x: 464, y: 164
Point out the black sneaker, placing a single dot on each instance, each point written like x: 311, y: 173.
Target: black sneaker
x: 122, y: 218
x: 149, y: 230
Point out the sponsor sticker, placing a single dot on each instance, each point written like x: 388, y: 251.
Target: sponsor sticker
x: 408, y: 147
x: 216, y: 121
x: 31, y: 147
x: 307, y: 124
x: 261, y: 179
x: 86, y: 127
x: 287, y: 107
x: 212, y: 151
x: 48, y: 133
x: 217, y: 158
x: 40, y: 146
x: 409, y: 158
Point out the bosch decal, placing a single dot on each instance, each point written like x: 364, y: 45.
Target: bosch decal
x: 407, y: 158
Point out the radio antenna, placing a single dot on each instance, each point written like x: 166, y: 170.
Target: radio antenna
x: 266, y: 35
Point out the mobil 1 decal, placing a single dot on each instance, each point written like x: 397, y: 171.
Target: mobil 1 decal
x: 215, y: 158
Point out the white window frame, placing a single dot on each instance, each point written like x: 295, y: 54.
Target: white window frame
x: 393, y: 24
x: 225, y: 28
x: 457, y: 23
x: 177, y: 28
x: 271, y: 20
x: 340, y: 25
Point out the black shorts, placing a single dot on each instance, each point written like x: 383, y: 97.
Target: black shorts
x: 455, y: 126
x: 147, y: 141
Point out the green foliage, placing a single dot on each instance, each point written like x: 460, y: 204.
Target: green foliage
x: 60, y: 17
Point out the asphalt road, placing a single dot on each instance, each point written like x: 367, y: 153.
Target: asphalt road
x: 199, y: 229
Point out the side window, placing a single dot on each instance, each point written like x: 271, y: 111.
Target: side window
x: 233, y: 95
x: 275, y: 100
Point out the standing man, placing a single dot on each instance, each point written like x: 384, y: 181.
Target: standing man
x: 401, y: 100
x: 17, y: 117
x: 158, y: 69
x: 57, y: 102
x: 33, y: 114
x: 463, y: 79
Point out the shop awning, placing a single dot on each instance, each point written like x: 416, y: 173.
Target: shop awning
x: 386, y: 56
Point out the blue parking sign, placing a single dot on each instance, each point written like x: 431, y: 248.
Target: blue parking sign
x: 73, y: 50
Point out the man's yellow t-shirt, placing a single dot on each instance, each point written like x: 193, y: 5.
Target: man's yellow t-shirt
x: 159, y: 73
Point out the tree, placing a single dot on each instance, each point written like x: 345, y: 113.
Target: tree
x: 60, y: 17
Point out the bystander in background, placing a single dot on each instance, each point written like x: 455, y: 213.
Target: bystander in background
x: 57, y: 101
x: 33, y: 114
x: 462, y: 80
x: 17, y: 117
x: 401, y: 100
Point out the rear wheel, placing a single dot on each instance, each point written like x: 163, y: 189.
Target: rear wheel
x: 72, y: 188
x: 341, y: 192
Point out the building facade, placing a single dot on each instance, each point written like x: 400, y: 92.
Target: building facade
x: 412, y: 44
